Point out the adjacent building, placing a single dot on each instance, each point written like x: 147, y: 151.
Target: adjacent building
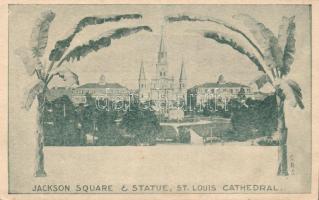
x: 101, y: 90
x: 163, y: 89
x: 221, y: 91
x: 57, y: 92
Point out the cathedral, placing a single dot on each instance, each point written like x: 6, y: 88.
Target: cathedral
x: 163, y: 89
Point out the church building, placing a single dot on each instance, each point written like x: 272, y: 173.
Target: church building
x: 163, y: 89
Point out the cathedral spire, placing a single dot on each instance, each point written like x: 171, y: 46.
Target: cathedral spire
x: 183, y: 72
x: 162, y: 44
x: 162, y: 54
x: 142, y: 73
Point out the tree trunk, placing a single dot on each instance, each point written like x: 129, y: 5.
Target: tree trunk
x: 282, y: 129
x: 39, y: 155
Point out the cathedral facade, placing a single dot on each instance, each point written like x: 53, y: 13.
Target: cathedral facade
x: 163, y: 89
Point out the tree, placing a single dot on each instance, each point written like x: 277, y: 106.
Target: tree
x: 254, y: 119
x: 108, y: 132
x: 267, y: 115
x: 142, y: 124
x: 88, y: 114
x: 241, y: 94
x: 272, y: 55
x: 64, y: 115
x: 184, y: 135
x: 32, y: 58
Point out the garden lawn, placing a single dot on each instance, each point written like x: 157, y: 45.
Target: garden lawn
x: 217, y: 128
x: 167, y: 132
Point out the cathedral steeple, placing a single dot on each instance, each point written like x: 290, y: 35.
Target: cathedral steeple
x: 142, y: 84
x: 161, y: 66
x: 182, y: 77
x: 142, y: 73
x: 162, y: 53
x: 183, y: 72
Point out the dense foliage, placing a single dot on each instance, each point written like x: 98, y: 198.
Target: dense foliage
x: 254, y: 118
x: 69, y: 125
x: 184, y: 135
x: 141, y: 124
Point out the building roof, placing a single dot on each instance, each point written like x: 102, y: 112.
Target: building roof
x: 106, y: 85
x: 217, y: 85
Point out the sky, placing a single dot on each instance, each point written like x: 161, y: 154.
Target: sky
x: 204, y: 59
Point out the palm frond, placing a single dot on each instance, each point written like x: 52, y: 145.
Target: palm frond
x: 39, y: 36
x: 68, y: 76
x: 103, y: 41
x: 256, y: 48
x: 265, y: 39
x: 296, y: 92
x: 283, y: 33
x: 217, y: 21
x: 262, y: 80
x: 62, y: 45
x: 31, y: 94
x: 286, y: 40
x: 30, y: 63
x: 293, y: 92
x: 94, y: 20
x: 223, y: 38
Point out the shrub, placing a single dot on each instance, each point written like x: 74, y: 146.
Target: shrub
x: 141, y: 124
x: 167, y: 133
x: 255, y: 118
x: 267, y: 141
x: 184, y: 135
